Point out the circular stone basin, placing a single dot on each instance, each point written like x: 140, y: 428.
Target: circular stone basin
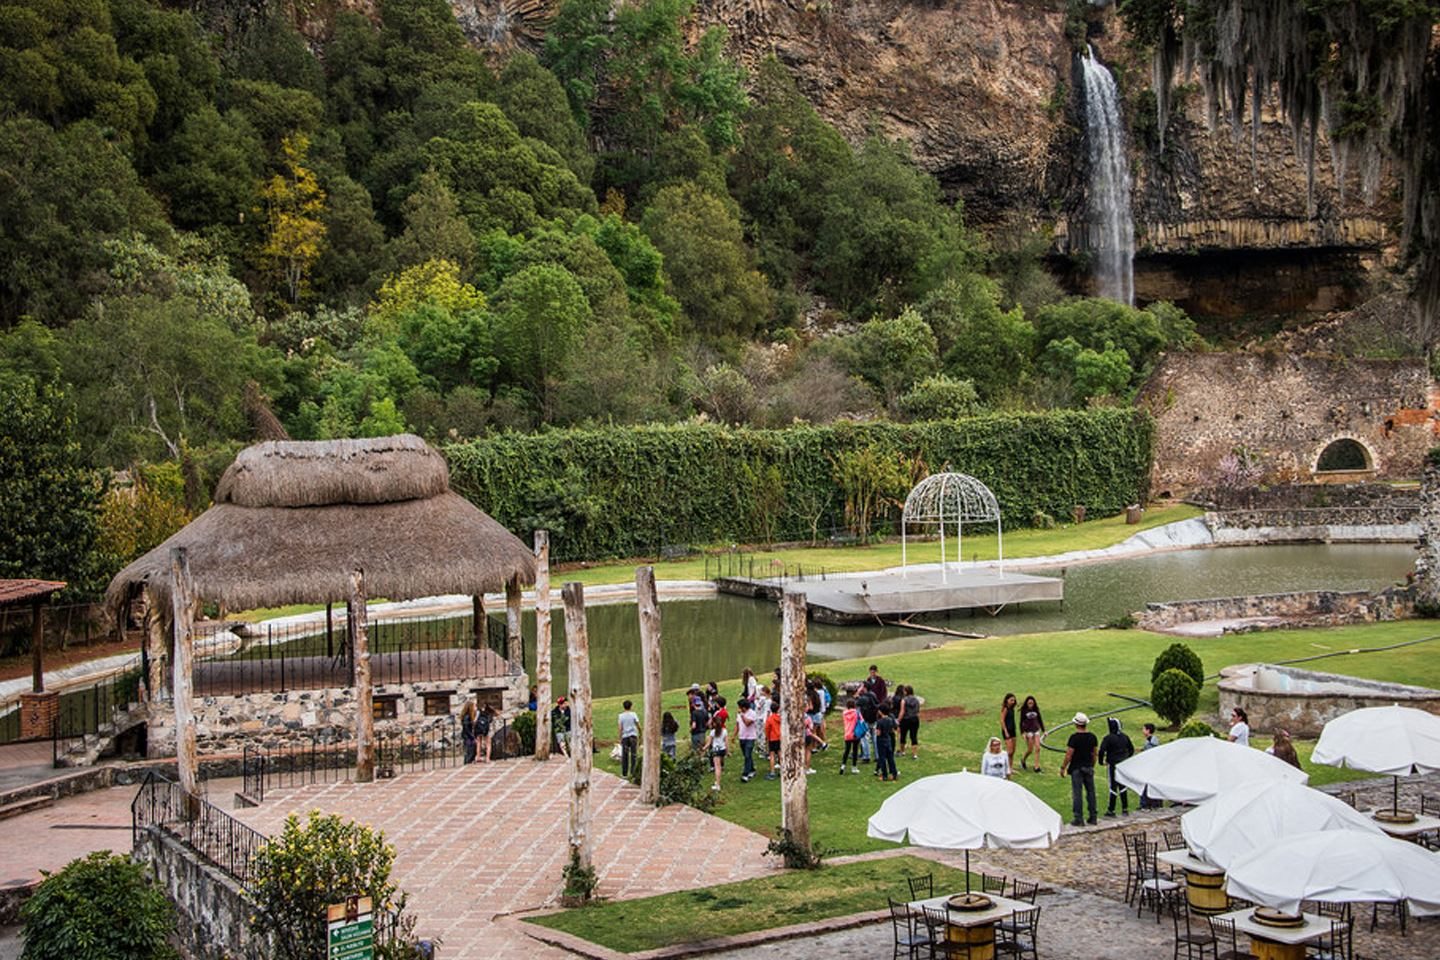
x: 1303, y: 701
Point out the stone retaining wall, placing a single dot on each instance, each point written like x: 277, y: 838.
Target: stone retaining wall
x: 1303, y: 713
x: 213, y: 920
x: 1359, y: 516
x: 1301, y: 608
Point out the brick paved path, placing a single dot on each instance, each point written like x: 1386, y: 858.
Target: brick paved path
x: 485, y: 840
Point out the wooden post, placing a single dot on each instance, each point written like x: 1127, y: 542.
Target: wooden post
x: 582, y: 727
x: 37, y: 647
x: 182, y: 606
x: 794, y: 795
x: 514, y: 639
x: 156, y: 649
x: 356, y: 618
x: 330, y: 630
x: 479, y: 622
x: 543, y: 693
x: 648, y: 602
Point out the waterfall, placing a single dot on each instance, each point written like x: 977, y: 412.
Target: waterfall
x: 1111, y: 233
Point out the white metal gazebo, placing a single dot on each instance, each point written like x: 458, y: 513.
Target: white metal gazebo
x: 950, y: 498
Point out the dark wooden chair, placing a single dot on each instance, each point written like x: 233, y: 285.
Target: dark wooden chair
x: 1154, y: 888
x: 922, y: 887
x: 1019, y: 937
x: 1195, y: 938
x: 1226, y: 945
x: 1338, y: 944
x: 1332, y: 911
x: 1021, y: 890
x: 906, y: 935
x: 1396, y: 908
x: 937, y: 923
x: 1174, y: 839
x: 1135, y: 847
x: 989, y: 884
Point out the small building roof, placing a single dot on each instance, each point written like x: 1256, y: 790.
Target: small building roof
x: 25, y: 591
x: 292, y: 519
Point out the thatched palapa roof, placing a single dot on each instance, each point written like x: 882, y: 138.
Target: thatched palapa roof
x: 292, y: 519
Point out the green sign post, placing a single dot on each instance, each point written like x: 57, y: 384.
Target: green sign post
x: 351, y: 931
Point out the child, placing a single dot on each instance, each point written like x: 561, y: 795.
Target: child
x: 716, y: 743
x: 668, y: 728
x: 772, y: 739
x: 885, y: 746
x: 629, y: 726
x: 853, y: 732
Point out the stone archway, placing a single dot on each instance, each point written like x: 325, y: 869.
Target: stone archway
x: 1342, y: 458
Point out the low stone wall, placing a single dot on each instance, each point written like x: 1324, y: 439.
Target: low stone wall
x: 1303, y: 713
x: 214, y: 914
x: 226, y: 724
x: 1301, y: 608
x: 1366, y: 516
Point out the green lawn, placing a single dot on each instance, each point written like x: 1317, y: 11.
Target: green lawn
x: 795, y: 896
x: 1066, y: 672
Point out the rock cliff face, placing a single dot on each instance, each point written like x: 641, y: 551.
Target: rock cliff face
x: 985, y: 92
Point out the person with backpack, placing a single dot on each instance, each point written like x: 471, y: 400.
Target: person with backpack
x: 869, y: 709
x: 1114, y: 750
x: 483, y: 720
x: 909, y: 720
x: 854, y: 730
x: 699, y: 722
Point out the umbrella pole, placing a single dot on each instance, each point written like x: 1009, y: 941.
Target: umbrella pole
x: 967, y: 873
x: 1395, y: 797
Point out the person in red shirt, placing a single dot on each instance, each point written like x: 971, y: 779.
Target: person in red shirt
x: 772, y: 737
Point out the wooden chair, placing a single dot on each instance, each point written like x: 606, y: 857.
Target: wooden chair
x: 1154, y: 887
x: 1020, y: 890
x: 905, y: 933
x: 1226, y: 946
x: 1429, y: 807
x: 1136, y: 846
x: 922, y: 887
x: 1194, y: 939
x: 989, y: 884
x: 1332, y: 911
x: 1397, y: 908
x: 1338, y: 944
x: 937, y: 922
x: 1174, y: 839
x: 1019, y: 936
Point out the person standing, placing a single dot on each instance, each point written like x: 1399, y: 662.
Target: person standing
x: 1148, y: 741
x: 629, y: 725
x: 467, y: 730
x: 746, y: 730
x: 560, y: 725
x: 1115, y: 749
x: 749, y: 686
x: 1239, y: 727
x: 1284, y: 749
x: 483, y: 721
x: 699, y: 722
x: 869, y: 709
x: 1032, y: 728
x: 1007, y: 725
x: 772, y: 739
x: 909, y: 720
x: 716, y: 744
x: 853, y: 728
x: 668, y: 728
x: 995, y: 762
x: 1079, y: 765
x: 885, y: 746
x: 876, y: 685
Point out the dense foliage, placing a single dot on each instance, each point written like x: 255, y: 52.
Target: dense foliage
x: 99, y: 907
x: 1174, y: 695
x: 1180, y: 657
x: 627, y: 491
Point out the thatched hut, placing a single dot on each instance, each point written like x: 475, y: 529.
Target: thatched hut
x: 292, y: 519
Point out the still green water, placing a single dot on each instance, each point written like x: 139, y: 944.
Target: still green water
x: 706, y: 640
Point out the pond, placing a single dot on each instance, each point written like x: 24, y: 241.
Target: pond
x: 715, y: 639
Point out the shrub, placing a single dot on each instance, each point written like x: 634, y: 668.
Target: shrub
x: 683, y: 779
x: 306, y: 868
x: 1177, y: 656
x: 1174, y: 696
x: 1126, y: 621
x: 1196, y: 728
x: 97, y: 908
x: 524, y: 727
x: 794, y: 855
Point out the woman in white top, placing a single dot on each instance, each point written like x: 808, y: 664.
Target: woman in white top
x: 716, y: 744
x: 1239, y: 727
x: 995, y: 762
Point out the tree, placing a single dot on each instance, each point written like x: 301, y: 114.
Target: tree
x: 294, y: 206
x: 98, y: 907
x: 711, y: 271
x: 1180, y: 657
x: 535, y: 102
x: 434, y: 229
x: 1174, y: 696
x: 939, y: 397
x: 1090, y: 373
x: 354, y: 250
x: 209, y: 169
x: 48, y: 498
x: 576, y: 45
x: 542, y: 316
x: 1096, y: 323
x: 891, y: 353
x: 978, y: 341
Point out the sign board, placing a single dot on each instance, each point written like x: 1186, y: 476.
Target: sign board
x: 351, y: 927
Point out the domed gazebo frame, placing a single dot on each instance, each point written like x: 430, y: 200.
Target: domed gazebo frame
x: 946, y: 498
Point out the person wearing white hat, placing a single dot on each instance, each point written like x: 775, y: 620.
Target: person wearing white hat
x: 1079, y: 764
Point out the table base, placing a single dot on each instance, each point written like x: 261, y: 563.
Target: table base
x: 979, y: 940
x: 1270, y: 950
x: 1206, y: 893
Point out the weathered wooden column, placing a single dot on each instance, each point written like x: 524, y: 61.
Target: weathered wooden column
x: 182, y: 606
x: 1427, y: 564
x: 794, y: 788
x: 582, y: 727
x: 543, y: 693
x: 479, y: 622
x: 356, y: 618
x: 648, y: 603
x: 329, y: 629
x: 514, y: 639
x: 37, y: 646
x: 157, y: 652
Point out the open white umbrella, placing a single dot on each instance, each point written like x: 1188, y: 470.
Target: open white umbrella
x: 1194, y: 769
x: 1253, y: 815
x: 1338, y: 866
x: 1395, y: 740
x: 965, y: 811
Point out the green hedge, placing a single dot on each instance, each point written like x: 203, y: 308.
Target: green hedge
x: 629, y: 491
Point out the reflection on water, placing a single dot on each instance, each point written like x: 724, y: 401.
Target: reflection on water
x: 715, y: 639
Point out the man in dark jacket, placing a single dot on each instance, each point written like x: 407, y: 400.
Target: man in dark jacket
x: 1115, y: 748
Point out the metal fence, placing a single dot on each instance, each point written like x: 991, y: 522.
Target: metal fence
x: 84, y: 710
x: 161, y: 804
x: 750, y: 567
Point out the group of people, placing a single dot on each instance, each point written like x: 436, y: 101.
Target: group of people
x: 475, y: 724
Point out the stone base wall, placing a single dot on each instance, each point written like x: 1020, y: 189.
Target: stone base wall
x: 214, y: 914
x: 1316, y: 517
x: 1304, y: 714
x: 228, y: 724
x: 1302, y: 608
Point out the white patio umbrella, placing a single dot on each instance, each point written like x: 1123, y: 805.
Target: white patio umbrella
x: 1395, y: 740
x: 1338, y: 866
x: 1195, y: 769
x: 965, y: 811
x: 1253, y: 815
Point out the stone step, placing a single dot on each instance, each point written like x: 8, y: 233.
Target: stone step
x: 25, y: 806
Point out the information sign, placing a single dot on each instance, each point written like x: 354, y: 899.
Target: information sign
x: 351, y: 927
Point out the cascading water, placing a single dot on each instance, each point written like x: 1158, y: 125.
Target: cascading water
x: 1111, y: 233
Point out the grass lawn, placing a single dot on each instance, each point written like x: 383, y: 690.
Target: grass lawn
x: 795, y: 896
x: 1065, y: 672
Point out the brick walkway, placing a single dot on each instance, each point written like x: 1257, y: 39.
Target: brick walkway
x: 473, y: 843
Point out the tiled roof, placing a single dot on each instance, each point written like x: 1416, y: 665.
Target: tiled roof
x: 21, y: 591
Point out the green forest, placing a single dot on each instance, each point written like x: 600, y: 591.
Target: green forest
x: 216, y: 229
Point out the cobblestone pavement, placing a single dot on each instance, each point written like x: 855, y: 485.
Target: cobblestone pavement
x: 488, y: 839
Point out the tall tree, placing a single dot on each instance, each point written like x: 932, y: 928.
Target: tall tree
x: 294, y: 207
x: 542, y: 317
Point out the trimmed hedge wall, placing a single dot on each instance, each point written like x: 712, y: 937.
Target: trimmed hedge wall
x: 629, y: 491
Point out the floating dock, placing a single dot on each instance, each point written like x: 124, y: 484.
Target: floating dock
x: 892, y: 595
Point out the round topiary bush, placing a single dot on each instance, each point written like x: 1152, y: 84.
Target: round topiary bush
x: 1174, y: 696
x: 1177, y: 656
x: 1196, y: 728
x: 97, y: 908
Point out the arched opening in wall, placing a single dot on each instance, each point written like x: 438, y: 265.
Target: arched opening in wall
x: 1344, y: 456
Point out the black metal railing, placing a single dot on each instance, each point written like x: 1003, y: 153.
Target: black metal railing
x: 84, y: 710
x: 749, y: 567
x: 161, y: 804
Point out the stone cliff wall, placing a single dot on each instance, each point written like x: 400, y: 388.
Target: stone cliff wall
x: 1285, y: 410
